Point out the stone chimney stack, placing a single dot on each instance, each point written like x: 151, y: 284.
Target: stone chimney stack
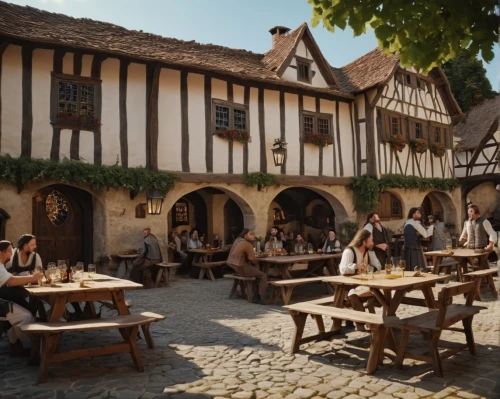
x: 277, y: 32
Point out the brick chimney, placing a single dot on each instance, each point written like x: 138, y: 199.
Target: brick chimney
x: 277, y: 32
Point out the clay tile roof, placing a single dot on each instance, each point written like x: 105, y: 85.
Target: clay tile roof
x: 275, y: 57
x: 31, y: 24
x: 481, y: 120
x: 366, y: 71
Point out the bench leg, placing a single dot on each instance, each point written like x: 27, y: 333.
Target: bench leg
x: 491, y: 283
x: 249, y: 290
x: 134, y: 350
x: 402, y: 348
x: 202, y: 273
x: 377, y: 341
x: 300, y: 321
x: 469, y: 335
x: 319, y: 322
x: 286, y: 294
x: 233, y: 289
x: 242, y: 290
x: 49, y: 348
x: 147, y: 335
x: 436, y: 359
x: 158, y: 277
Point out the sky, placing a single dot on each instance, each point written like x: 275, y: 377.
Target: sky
x: 242, y: 24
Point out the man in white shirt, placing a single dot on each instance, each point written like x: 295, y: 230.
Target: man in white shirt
x: 413, y: 233
x: 15, y: 314
x: 24, y: 258
x: 477, y: 232
x: 380, y: 237
x: 356, y: 258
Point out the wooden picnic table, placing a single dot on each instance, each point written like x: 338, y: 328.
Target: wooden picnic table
x: 461, y: 255
x: 203, y: 260
x: 128, y: 262
x: 101, y: 288
x: 285, y: 262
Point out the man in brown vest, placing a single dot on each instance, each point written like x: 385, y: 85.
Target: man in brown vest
x: 380, y: 237
x: 477, y: 233
x: 241, y: 258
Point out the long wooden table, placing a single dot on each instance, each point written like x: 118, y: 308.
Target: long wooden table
x: 203, y: 257
x: 284, y: 263
x: 461, y: 255
x: 101, y: 288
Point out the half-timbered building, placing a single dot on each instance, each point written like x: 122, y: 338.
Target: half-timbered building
x: 98, y: 93
x: 477, y: 158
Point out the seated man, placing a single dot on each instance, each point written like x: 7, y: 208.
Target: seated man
x: 142, y: 272
x: 24, y: 258
x: 332, y: 244
x: 300, y: 245
x: 15, y: 314
x: 356, y: 258
x: 274, y: 240
x: 242, y: 259
x: 194, y: 242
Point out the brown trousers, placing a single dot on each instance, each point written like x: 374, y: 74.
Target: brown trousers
x: 141, y: 271
x: 252, y: 271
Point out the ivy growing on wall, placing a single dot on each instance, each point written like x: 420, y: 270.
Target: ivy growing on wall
x: 366, y: 189
x: 260, y: 179
x: 19, y: 171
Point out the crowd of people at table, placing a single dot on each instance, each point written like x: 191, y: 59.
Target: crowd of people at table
x: 370, y: 247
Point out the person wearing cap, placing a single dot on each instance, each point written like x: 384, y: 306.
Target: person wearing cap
x: 13, y: 312
x: 24, y: 258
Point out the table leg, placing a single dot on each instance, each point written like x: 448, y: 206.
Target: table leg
x: 58, y: 308
x: 338, y: 302
x: 119, y: 302
x: 158, y: 277
x: 429, y: 297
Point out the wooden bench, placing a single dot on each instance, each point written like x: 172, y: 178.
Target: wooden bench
x: 478, y: 276
x: 164, y: 271
x: 445, y: 264
x: 245, y: 283
x: 375, y: 323
x: 127, y: 325
x: 433, y: 322
x: 207, y: 266
x: 286, y: 287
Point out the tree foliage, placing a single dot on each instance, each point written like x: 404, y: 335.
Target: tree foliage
x: 468, y: 81
x: 425, y: 33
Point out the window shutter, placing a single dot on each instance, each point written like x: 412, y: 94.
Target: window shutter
x: 387, y: 126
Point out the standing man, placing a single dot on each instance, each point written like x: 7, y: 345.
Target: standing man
x: 143, y: 265
x: 179, y: 256
x: 380, y: 237
x: 439, y: 236
x: 413, y: 233
x: 478, y: 234
x: 24, y: 258
x: 15, y: 314
x: 242, y: 259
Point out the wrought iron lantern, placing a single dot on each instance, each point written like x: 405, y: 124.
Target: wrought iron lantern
x: 155, y: 202
x: 279, y: 154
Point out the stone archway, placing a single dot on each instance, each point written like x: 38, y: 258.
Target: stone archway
x: 437, y: 202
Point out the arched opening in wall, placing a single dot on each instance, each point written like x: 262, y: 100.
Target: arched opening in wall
x: 487, y: 199
x: 63, y: 224
x: 303, y: 211
x: 440, y: 204
x: 389, y: 207
x: 212, y: 211
x: 4, y: 216
x: 233, y: 221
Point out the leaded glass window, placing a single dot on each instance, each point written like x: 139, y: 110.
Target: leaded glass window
x: 56, y: 207
x: 240, y: 119
x: 221, y: 116
x: 418, y: 131
x: 323, y: 126
x: 308, y: 124
x: 437, y: 135
x: 395, y: 126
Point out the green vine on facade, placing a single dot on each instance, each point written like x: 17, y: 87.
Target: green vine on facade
x: 366, y: 189
x: 260, y: 179
x: 19, y: 171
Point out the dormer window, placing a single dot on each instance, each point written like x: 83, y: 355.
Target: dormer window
x: 304, y: 70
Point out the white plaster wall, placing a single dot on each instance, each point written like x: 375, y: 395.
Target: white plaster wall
x: 65, y: 144
x: 221, y: 151
x: 110, y: 116
x: 346, y: 144
x: 362, y: 139
x: 272, y: 124
x: 292, y: 133
x: 311, y: 152
x: 11, y: 101
x: 196, y: 115
x: 239, y: 97
x: 68, y: 63
x: 360, y: 101
x: 328, y: 107
x: 169, y: 120
x: 87, y: 64
x: 136, y: 114
x: 42, y: 129
x: 86, y: 149
x: 254, y: 146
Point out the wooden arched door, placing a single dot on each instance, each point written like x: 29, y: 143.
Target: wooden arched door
x: 62, y: 223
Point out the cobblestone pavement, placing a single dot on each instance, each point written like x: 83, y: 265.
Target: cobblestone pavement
x: 210, y: 346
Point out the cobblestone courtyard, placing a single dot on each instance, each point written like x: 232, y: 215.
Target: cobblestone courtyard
x: 210, y: 346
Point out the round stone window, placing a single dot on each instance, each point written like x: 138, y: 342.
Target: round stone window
x: 56, y: 206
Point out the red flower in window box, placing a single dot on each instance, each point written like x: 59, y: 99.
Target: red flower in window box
x: 398, y: 142
x: 418, y: 145
x: 318, y: 139
x: 241, y: 136
x: 438, y: 150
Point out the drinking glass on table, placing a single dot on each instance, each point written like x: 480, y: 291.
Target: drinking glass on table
x: 388, y: 268
x: 77, y: 272
x: 449, y: 245
x: 91, y: 271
